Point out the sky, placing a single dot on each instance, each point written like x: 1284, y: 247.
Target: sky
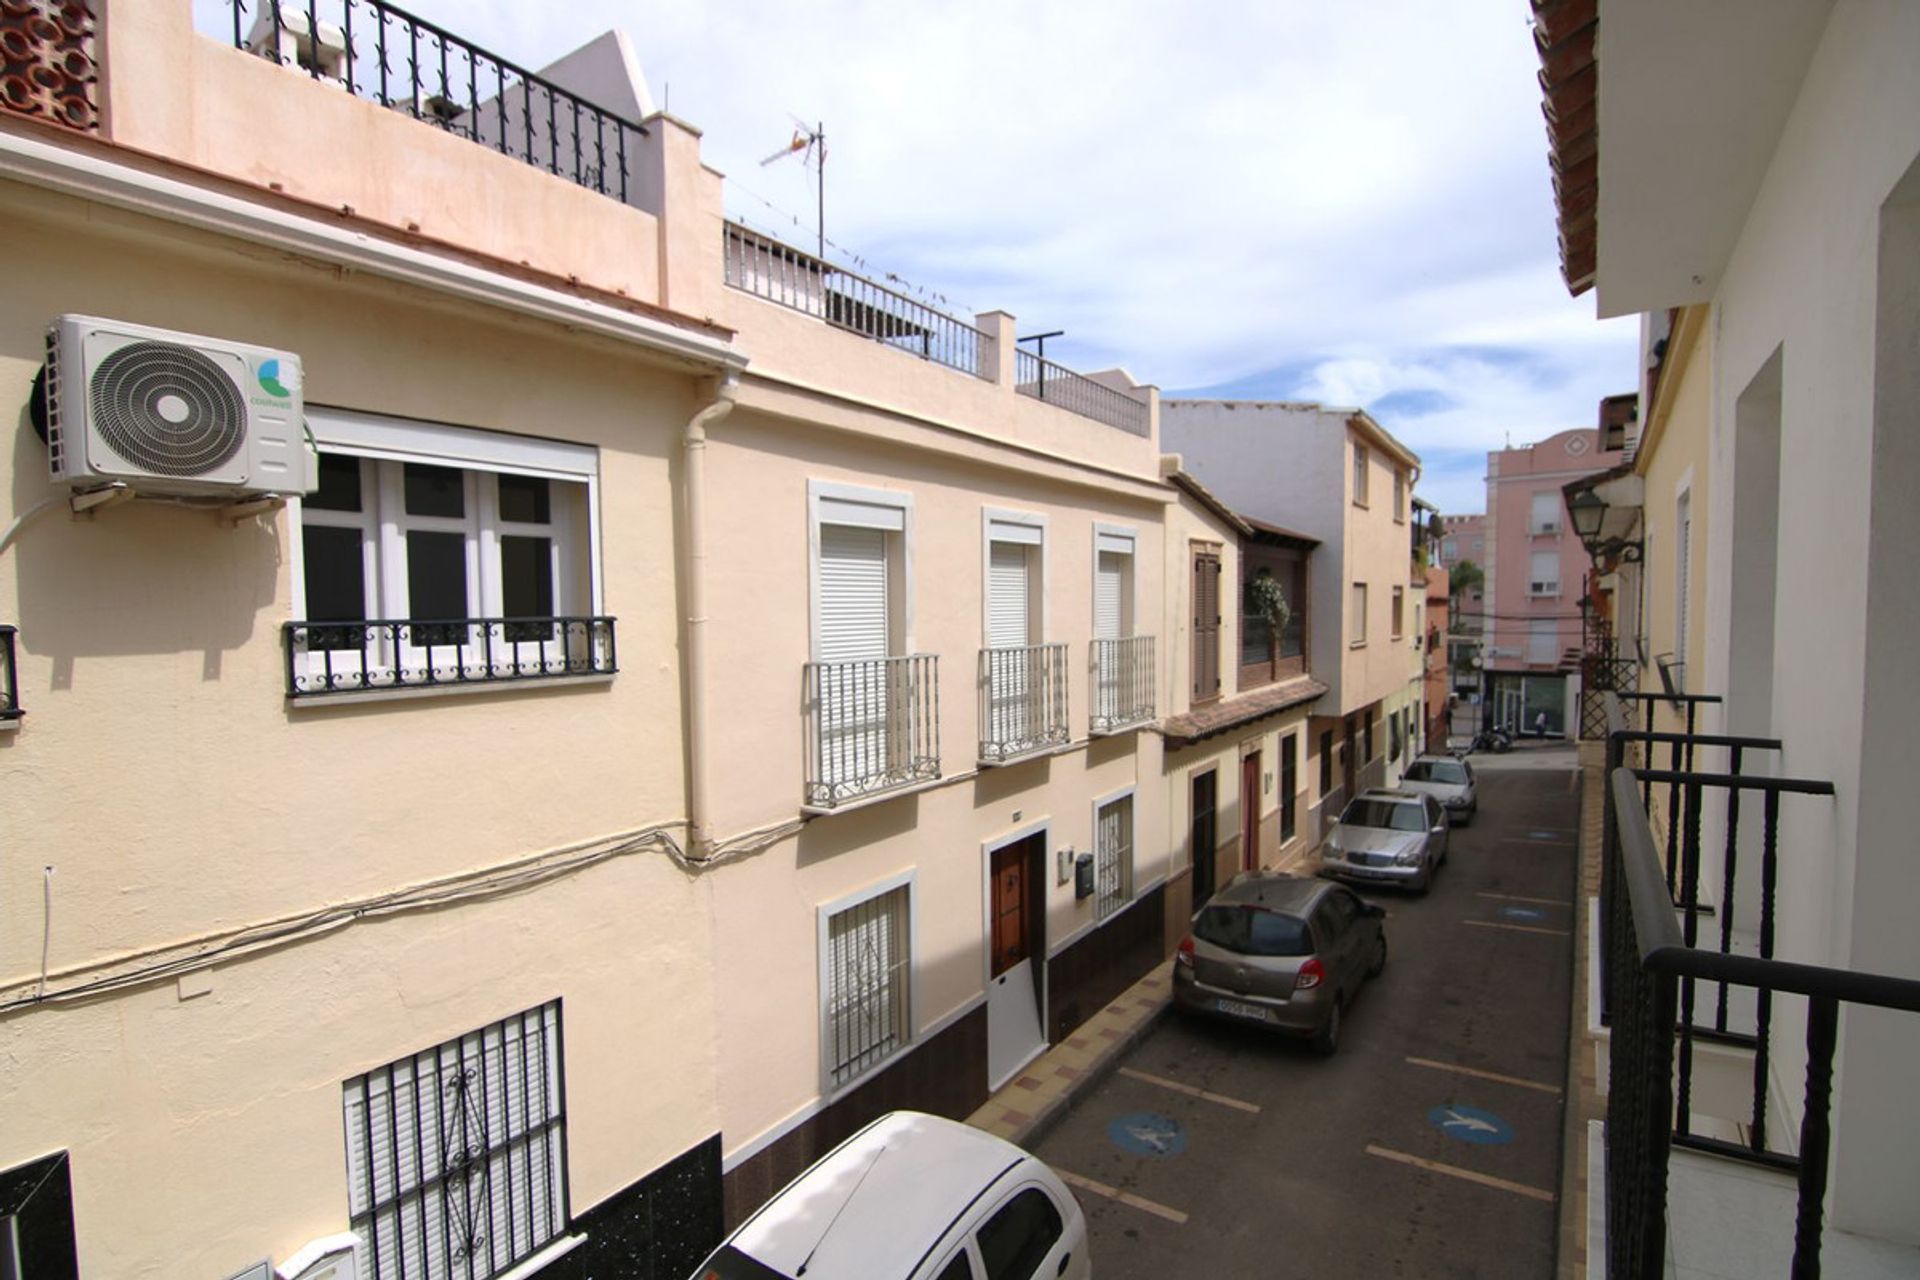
x: 1264, y: 199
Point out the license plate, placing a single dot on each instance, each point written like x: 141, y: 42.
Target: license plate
x: 1240, y: 1010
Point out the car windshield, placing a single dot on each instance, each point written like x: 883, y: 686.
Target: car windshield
x: 1382, y: 813
x: 1436, y: 771
x: 1254, y: 931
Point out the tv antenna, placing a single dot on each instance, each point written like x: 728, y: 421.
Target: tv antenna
x: 810, y: 142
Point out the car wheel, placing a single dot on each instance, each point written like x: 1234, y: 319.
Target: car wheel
x: 1379, y: 957
x: 1327, y: 1038
x: 1424, y: 883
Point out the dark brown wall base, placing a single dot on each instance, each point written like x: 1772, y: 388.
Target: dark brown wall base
x: 660, y: 1228
x: 1084, y: 977
x: 946, y: 1076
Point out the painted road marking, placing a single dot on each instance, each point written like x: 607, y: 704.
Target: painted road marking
x: 1528, y: 914
x: 1483, y: 1075
x: 1471, y: 1124
x: 1146, y: 1134
x: 1514, y: 897
x: 1190, y: 1091
x: 1516, y: 928
x: 1123, y: 1197
x: 1455, y: 1171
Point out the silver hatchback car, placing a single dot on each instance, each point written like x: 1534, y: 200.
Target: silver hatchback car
x: 1387, y: 837
x: 1280, y: 951
x: 1447, y: 779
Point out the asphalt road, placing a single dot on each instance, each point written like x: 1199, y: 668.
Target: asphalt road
x: 1428, y: 1146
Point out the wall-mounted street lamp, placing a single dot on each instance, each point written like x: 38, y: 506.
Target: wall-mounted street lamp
x: 1588, y: 512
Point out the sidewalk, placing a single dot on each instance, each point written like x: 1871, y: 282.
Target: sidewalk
x: 1027, y: 1105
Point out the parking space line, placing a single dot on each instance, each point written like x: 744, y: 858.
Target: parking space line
x: 1514, y: 897
x: 1141, y: 1203
x: 1190, y: 1091
x: 1466, y: 1175
x: 1516, y: 928
x: 1484, y: 1075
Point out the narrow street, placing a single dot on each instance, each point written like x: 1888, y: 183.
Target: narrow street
x: 1429, y: 1145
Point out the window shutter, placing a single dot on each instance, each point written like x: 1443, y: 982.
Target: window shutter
x: 1108, y: 588
x: 1008, y: 616
x: 853, y: 593
x: 1206, y: 625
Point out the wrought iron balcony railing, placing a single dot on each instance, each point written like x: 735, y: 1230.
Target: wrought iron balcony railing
x: 386, y: 55
x: 1656, y: 970
x: 871, y: 725
x: 1122, y: 679
x: 9, y: 678
x: 766, y: 268
x: 413, y: 653
x: 1042, y: 379
x: 1023, y: 701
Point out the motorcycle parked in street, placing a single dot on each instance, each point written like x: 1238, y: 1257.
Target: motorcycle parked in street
x: 1492, y: 738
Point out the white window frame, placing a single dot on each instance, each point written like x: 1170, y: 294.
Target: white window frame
x: 1024, y: 528
x: 1537, y: 629
x: 908, y: 966
x: 1543, y: 588
x: 1104, y: 907
x: 1357, y: 615
x: 1399, y: 611
x: 1555, y: 522
x: 1117, y: 539
x: 830, y: 502
x: 1362, y: 466
x: 1399, y: 496
x: 384, y: 445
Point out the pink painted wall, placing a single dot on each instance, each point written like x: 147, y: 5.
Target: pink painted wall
x: 1514, y: 476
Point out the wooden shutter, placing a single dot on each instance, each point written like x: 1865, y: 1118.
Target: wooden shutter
x: 1206, y: 625
x: 853, y: 593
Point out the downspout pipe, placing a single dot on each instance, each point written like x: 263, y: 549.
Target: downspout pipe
x: 693, y: 573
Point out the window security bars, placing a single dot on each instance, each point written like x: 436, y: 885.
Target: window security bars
x: 1122, y: 679
x: 386, y: 55
x: 1656, y: 970
x: 1113, y: 858
x: 456, y: 1156
x: 871, y: 725
x: 413, y: 653
x: 766, y: 268
x: 1042, y: 379
x: 867, y: 956
x: 1023, y: 701
x: 9, y: 677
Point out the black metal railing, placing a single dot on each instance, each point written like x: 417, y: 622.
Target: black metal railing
x: 767, y: 268
x: 9, y: 678
x: 871, y: 725
x: 1121, y: 675
x: 1023, y: 701
x: 1041, y: 378
x: 386, y: 55
x: 1655, y: 967
x: 418, y: 653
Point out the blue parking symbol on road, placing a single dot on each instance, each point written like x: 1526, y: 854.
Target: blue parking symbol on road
x: 1145, y: 1134
x: 1470, y: 1124
x: 1521, y: 913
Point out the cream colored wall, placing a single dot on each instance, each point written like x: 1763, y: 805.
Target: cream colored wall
x: 1378, y: 549
x: 1679, y: 455
x: 163, y: 776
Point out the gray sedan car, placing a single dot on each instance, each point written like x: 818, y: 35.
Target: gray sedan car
x: 1447, y: 779
x: 1387, y: 837
x: 1280, y: 951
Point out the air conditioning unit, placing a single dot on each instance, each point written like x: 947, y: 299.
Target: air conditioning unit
x: 1543, y: 588
x: 172, y: 414
x: 290, y: 42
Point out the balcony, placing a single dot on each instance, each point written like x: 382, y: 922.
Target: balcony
x: 1042, y: 379
x: 1023, y: 701
x: 1121, y: 675
x: 412, y: 654
x: 10, y: 711
x: 871, y: 726
x: 1720, y: 1054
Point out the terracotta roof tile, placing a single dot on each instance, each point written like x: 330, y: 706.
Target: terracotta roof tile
x: 1230, y: 713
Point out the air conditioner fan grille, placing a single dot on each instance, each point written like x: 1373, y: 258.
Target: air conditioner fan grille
x: 168, y: 409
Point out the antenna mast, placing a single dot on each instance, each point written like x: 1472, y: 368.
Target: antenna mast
x: 811, y: 139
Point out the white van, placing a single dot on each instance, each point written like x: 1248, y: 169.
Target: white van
x: 913, y: 1197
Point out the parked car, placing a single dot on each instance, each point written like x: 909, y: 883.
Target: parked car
x: 913, y: 1197
x: 1387, y: 837
x: 1283, y: 951
x: 1447, y: 779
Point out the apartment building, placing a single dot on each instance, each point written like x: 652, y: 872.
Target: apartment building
x: 1337, y: 476
x: 1757, y: 202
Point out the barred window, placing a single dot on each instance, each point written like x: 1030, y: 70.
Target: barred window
x: 1113, y: 856
x: 867, y: 958
x: 456, y: 1163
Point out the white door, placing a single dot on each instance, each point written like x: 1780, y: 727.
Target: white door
x: 853, y: 641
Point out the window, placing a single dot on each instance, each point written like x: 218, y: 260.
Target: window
x: 1449, y: 551
x: 1682, y: 573
x: 1326, y: 761
x: 1366, y: 729
x: 456, y: 1155
x: 1393, y: 736
x: 1357, y: 615
x: 1018, y: 675
x: 1112, y: 856
x: 1016, y: 1240
x: 1399, y: 611
x: 1543, y: 573
x: 1271, y: 578
x: 1418, y: 630
x: 1547, y: 508
x: 1399, y: 495
x: 441, y: 555
x: 36, y: 1221
x: 1206, y: 624
x: 1543, y: 641
x: 1360, y: 475
x: 866, y: 952
x: 1289, y: 785
x: 1112, y: 583
x: 1123, y: 668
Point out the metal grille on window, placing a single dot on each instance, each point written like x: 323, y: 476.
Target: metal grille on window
x: 1113, y: 857
x: 866, y: 984
x: 456, y: 1155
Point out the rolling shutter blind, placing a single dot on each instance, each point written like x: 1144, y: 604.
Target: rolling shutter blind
x: 1109, y: 586
x: 853, y: 593
x: 1008, y: 618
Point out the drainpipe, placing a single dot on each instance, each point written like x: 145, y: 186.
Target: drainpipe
x: 693, y: 572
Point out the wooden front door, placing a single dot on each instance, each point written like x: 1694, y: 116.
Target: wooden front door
x: 1250, y: 811
x: 1203, y: 835
x: 1015, y: 945
x: 1010, y: 944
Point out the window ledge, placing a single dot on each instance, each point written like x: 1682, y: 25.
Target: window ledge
x: 9, y: 724
x: 1036, y: 753
x: 881, y: 797
x: 1356, y: 644
x: 462, y: 689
